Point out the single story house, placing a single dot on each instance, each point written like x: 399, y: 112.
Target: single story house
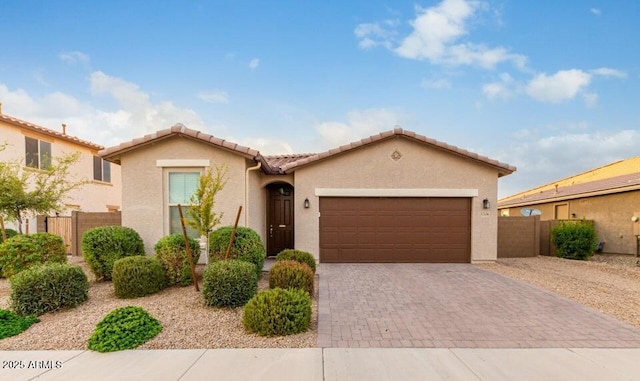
x: 608, y: 195
x: 392, y: 197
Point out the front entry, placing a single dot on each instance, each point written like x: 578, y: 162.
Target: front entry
x: 279, y: 218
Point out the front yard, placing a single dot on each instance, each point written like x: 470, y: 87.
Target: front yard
x: 608, y: 283
x: 187, y: 323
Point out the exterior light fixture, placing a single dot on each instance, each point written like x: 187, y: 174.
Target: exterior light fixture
x: 307, y: 204
x: 486, y: 204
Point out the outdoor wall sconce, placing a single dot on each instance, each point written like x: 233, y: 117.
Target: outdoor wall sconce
x: 307, y: 204
x: 486, y: 204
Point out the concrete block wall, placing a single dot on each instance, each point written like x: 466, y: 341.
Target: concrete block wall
x: 518, y: 237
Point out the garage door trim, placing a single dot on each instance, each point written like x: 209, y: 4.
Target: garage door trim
x: 409, y: 192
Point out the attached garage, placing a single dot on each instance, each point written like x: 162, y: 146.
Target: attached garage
x: 395, y: 229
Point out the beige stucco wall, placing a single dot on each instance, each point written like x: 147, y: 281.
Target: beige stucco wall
x: 611, y: 214
x: 419, y: 167
x: 95, y: 196
x: 145, y: 202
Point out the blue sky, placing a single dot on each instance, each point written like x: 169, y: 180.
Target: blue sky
x: 552, y: 87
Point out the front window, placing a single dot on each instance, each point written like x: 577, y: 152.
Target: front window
x: 182, y: 185
x: 37, y: 153
x: 101, y: 170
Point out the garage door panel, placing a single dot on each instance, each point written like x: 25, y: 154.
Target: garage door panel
x: 395, y: 229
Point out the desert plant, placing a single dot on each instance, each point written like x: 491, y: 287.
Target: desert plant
x: 137, y: 276
x: 12, y: 324
x: 20, y: 252
x: 247, y: 246
x: 278, y: 312
x: 298, y: 256
x: 124, y: 328
x: 9, y: 233
x: 574, y: 239
x: 47, y: 288
x: 229, y: 283
x: 104, y: 245
x: 291, y: 274
x: 172, y: 254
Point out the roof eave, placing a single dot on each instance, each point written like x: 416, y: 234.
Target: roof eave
x: 571, y: 197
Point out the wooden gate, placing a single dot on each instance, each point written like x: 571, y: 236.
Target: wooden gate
x: 61, y: 226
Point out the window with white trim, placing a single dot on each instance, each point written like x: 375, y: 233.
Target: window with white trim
x: 182, y: 185
x: 37, y: 153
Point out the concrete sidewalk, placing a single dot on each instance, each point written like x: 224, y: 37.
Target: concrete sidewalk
x: 324, y: 364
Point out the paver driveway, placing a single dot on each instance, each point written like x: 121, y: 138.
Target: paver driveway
x: 453, y: 305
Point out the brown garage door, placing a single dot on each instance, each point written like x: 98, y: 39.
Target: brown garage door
x: 392, y: 229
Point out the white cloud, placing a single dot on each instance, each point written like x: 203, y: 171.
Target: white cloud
x: 559, y: 87
x: 266, y: 146
x: 439, y: 83
x: 214, y: 96
x: 435, y: 35
x: 373, y: 34
x: 359, y: 124
x: 541, y: 160
x: 608, y: 72
x: 253, y: 64
x: 74, y: 57
x: 595, y: 11
x: 500, y: 89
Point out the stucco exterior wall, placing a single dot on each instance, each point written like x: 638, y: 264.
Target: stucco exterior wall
x: 95, y: 196
x: 611, y: 213
x: 145, y: 199
x: 419, y: 167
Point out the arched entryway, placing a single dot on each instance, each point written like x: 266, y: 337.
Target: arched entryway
x: 280, y: 228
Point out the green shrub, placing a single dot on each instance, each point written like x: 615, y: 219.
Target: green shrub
x: 12, y: 324
x: 247, y: 246
x: 9, y: 233
x: 137, y: 276
x: 172, y: 254
x: 104, y: 245
x: 23, y: 251
x: 291, y: 274
x: 298, y: 256
x: 47, y: 288
x: 124, y: 328
x: 229, y: 283
x: 278, y: 312
x: 574, y: 239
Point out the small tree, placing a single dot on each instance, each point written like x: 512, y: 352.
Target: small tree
x: 25, y: 193
x: 201, y: 214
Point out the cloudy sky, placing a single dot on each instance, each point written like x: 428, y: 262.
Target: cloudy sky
x: 552, y: 87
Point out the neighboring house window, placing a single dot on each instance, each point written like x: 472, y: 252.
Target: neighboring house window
x: 181, y: 186
x: 101, y: 170
x: 37, y: 153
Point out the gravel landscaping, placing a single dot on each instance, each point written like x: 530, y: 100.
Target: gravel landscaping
x: 608, y: 283
x: 187, y: 323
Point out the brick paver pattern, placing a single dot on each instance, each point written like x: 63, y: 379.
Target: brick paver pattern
x: 453, y: 305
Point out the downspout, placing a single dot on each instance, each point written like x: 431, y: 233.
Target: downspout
x: 246, y: 191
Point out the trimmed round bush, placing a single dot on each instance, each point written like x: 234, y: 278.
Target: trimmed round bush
x: 104, y: 245
x: 298, y: 256
x: 278, y: 312
x: 574, y: 239
x: 247, y: 246
x: 22, y: 251
x: 9, y: 233
x: 47, y: 288
x: 291, y: 274
x: 229, y: 283
x: 124, y: 328
x: 172, y: 254
x: 137, y: 276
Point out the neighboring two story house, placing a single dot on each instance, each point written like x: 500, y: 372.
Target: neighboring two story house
x: 34, y: 146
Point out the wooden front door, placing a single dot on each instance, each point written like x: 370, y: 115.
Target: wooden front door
x: 279, y: 218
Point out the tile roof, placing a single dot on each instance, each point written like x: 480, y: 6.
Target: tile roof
x: 615, y: 184
x: 503, y: 169
x: 286, y: 164
x: 113, y: 153
x: 43, y: 130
